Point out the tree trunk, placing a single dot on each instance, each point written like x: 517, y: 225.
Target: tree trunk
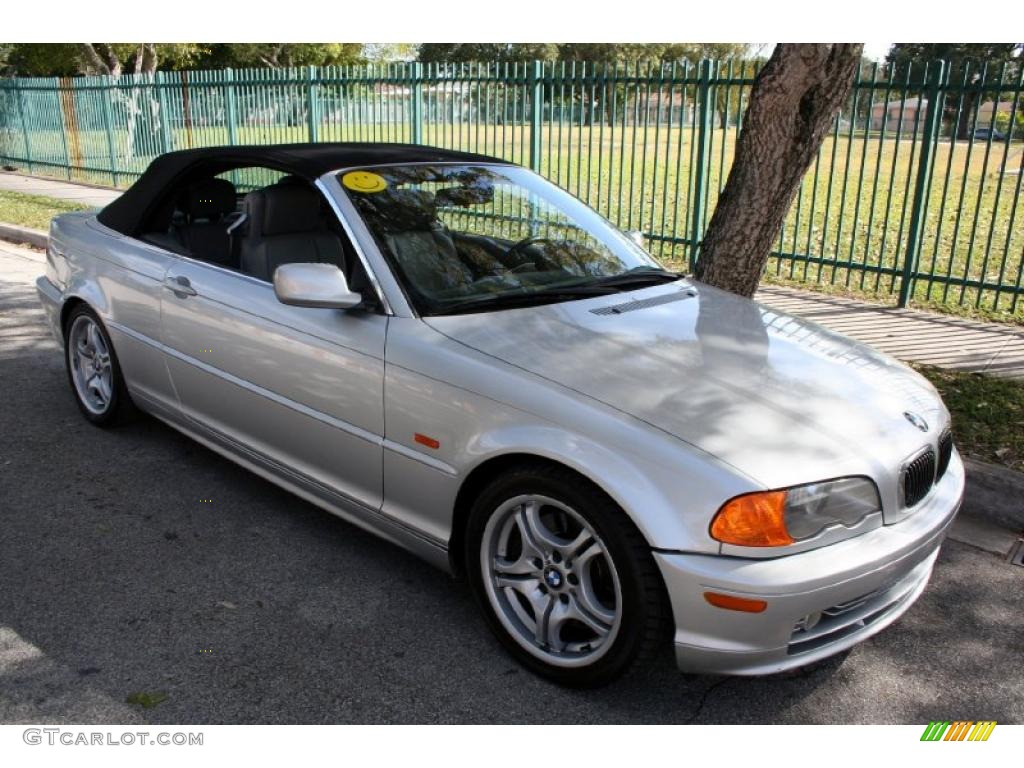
x: 149, y: 59
x: 106, y: 63
x: 970, y: 105
x: 793, y: 102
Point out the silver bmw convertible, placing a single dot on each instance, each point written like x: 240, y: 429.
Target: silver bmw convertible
x: 456, y: 354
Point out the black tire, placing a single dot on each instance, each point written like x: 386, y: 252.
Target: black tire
x: 119, y: 409
x: 642, y: 627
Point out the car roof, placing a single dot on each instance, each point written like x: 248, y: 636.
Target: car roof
x: 128, y: 213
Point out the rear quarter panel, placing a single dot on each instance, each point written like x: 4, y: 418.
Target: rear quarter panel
x: 120, y: 279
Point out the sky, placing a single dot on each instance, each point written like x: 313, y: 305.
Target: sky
x: 873, y: 51
x: 876, y: 51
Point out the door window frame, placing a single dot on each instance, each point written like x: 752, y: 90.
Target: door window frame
x: 325, y: 193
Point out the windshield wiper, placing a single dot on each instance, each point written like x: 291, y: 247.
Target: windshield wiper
x: 638, y: 276
x: 525, y: 298
x: 633, y: 278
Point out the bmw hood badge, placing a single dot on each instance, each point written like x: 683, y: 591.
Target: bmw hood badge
x: 916, y: 420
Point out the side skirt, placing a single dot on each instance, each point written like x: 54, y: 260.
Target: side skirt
x: 350, y: 510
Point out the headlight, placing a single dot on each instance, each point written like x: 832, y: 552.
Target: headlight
x: 779, y: 518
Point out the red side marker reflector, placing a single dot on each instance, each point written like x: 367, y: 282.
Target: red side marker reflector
x: 733, y: 603
x: 427, y: 441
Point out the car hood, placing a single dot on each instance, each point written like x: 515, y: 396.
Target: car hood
x: 779, y: 398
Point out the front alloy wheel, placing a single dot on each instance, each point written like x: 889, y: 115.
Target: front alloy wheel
x: 550, y: 581
x: 562, y: 575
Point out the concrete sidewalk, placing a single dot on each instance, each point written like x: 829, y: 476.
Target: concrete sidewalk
x: 931, y: 338
x: 96, y: 197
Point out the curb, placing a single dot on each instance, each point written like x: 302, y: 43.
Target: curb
x: 994, y: 493
x: 73, y: 182
x: 12, y: 233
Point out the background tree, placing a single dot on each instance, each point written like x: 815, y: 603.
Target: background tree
x: 487, y: 52
x: 978, y: 54
x: 140, y: 105
x: 43, y: 60
x: 383, y: 53
x: 793, y: 102
x: 968, y: 62
x: 601, y: 55
x: 277, y: 55
x: 727, y: 100
x: 114, y: 59
x: 611, y: 53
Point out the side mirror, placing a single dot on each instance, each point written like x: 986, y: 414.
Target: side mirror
x: 314, y: 285
x: 637, y: 237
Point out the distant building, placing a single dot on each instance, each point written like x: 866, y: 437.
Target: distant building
x: 899, y: 115
x: 986, y: 110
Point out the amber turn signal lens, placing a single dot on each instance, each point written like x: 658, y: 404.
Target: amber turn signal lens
x: 427, y: 441
x: 753, y: 520
x: 733, y: 603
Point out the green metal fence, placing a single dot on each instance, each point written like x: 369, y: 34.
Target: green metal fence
x: 914, y: 194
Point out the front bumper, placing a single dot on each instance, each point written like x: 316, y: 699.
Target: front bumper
x: 860, y: 585
x: 50, y: 297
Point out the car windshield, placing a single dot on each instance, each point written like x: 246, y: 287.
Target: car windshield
x: 474, y: 238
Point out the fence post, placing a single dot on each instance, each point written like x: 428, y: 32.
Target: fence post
x: 416, y: 113
x: 701, y: 162
x: 922, y: 187
x: 312, y: 117
x: 63, y: 126
x: 231, y: 106
x: 24, y: 124
x: 536, y: 112
x: 166, y: 139
x: 108, y: 122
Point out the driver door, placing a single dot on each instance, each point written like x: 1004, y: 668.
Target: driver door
x: 300, y: 389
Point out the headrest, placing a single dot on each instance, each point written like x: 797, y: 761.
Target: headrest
x: 400, y: 210
x: 287, y: 208
x: 209, y: 199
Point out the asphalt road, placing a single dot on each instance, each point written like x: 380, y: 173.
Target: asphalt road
x: 256, y: 607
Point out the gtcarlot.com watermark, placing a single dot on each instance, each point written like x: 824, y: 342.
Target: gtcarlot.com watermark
x: 73, y: 737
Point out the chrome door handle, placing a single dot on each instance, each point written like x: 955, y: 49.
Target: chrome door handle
x: 180, y: 285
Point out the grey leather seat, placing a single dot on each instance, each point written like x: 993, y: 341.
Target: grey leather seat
x: 286, y: 225
x: 207, y: 206
x: 407, y: 221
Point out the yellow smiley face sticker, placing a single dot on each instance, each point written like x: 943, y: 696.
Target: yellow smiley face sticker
x: 364, y: 181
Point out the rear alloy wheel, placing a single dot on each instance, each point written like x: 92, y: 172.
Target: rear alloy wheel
x: 563, y: 577
x: 93, y: 369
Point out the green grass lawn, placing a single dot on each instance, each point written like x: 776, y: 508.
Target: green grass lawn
x: 988, y: 414
x: 33, y: 210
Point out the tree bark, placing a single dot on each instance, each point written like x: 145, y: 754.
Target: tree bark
x: 970, y: 104
x: 793, y: 102
x: 106, y: 64
x: 149, y: 58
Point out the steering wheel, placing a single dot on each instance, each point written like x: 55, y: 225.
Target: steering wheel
x: 526, y: 242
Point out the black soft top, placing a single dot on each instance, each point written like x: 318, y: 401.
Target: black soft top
x: 127, y: 213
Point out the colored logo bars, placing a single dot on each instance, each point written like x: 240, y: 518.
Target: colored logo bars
x: 958, y: 730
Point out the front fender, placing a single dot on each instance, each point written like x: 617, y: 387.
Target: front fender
x: 668, y: 488
x: 671, y: 502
